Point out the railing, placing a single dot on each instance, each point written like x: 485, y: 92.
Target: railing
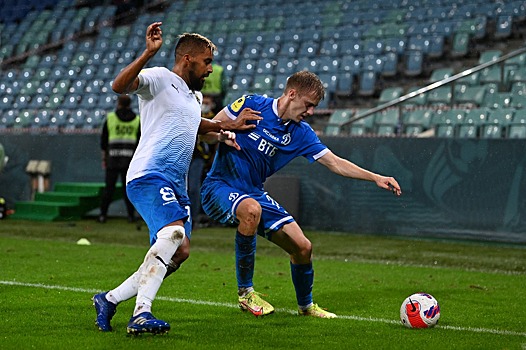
x: 450, y: 80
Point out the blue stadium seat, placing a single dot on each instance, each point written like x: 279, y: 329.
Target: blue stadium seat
x: 390, y: 64
x: 503, y: 26
x: 367, y: 83
x: 414, y: 63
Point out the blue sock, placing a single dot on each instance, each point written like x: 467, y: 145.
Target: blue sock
x: 245, y: 257
x: 303, y: 280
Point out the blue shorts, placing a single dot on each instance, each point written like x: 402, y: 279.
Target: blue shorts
x: 154, y: 199
x: 220, y: 202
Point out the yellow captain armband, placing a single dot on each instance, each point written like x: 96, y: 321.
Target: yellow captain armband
x: 237, y: 104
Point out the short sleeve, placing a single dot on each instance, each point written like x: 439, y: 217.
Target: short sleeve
x: 233, y: 109
x: 149, y: 82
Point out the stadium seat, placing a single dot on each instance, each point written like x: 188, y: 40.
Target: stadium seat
x: 445, y: 130
x: 330, y: 82
x: 517, y: 131
x: 503, y: 26
x: 489, y: 55
x: 518, y: 101
x: 395, y: 44
x: 517, y: 75
x: 265, y: 66
x: 472, y: 79
x: 330, y: 48
x: 387, y: 122
x: 414, y: 63
x: 440, y: 96
x: 452, y: 117
x: 367, y: 84
x: 390, y: 64
x: 440, y: 74
x: 7, y: 119
x: 327, y: 64
x: 337, y: 117
x: 492, y: 74
x: 418, y: 100
x: 460, y: 45
x: 262, y: 83
x: 351, y: 64
x: 497, y: 124
x: 363, y: 126
x: 344, y: 84
x: 474, y: 95
x: 390, y: 94
x: 473, y: 119
x: 498, y: 100
x: 416, y: 121
x: 517, y: 61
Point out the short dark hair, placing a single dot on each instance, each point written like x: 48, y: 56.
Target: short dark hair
x: 305, y: 82
x: 193, y: 44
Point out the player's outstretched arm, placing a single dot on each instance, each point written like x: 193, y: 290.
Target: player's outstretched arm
x: 127, y: 80
x: 346, y: 168
x: 208, y: 129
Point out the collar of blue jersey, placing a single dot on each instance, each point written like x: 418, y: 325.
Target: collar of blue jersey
x: 275, y: 110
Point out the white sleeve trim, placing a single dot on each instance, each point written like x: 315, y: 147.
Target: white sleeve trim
x: 229, y: 114
x: 321, y: 154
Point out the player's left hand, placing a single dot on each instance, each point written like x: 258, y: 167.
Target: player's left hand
x: 229, y: 138
x: 389, y: 183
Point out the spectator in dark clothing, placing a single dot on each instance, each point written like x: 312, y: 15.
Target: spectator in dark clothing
x: 119, y: 139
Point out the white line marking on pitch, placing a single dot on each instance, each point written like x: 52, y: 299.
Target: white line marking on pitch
x: 213, y: 303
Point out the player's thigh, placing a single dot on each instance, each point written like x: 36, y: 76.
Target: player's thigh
x: 154, y: 199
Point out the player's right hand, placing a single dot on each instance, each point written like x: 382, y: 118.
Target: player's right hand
x: 246, y: 115
x: 154, y: 37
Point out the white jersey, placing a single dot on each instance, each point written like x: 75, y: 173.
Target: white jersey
x: 170, y: 116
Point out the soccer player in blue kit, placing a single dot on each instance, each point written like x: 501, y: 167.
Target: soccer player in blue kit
x: 233, y: 189
x: 156, y: 181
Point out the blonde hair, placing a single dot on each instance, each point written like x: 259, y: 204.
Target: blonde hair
x: 305, y: 82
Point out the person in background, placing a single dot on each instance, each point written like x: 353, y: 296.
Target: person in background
x: 215, y: 87
x: 119, y: 139
x: 233, y: 191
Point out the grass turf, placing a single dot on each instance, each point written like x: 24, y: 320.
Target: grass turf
x: 47, y: 281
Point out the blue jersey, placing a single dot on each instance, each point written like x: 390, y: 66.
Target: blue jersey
x: 265, y: 149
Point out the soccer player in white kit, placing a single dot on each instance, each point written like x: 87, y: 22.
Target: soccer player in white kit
x: 170, y: 107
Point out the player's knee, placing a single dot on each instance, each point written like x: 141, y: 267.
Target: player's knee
x: 303, y: 250
x: 249, y: 211
x: 171, y: 233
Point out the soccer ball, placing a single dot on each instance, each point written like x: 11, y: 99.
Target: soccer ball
x: 420, y: 310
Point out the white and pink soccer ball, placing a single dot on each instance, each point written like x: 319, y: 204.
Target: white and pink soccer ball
x: 420, y: 310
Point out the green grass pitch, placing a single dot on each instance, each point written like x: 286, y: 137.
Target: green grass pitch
x: 47, y: 281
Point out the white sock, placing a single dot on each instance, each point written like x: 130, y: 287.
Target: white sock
x: 126, y: 290
x: 153, y: 269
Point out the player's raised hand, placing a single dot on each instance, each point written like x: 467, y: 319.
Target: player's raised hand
x: 154, y: 37
x: 229, y: 138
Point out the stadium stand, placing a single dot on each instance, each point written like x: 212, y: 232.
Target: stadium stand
x: 58, y: 58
